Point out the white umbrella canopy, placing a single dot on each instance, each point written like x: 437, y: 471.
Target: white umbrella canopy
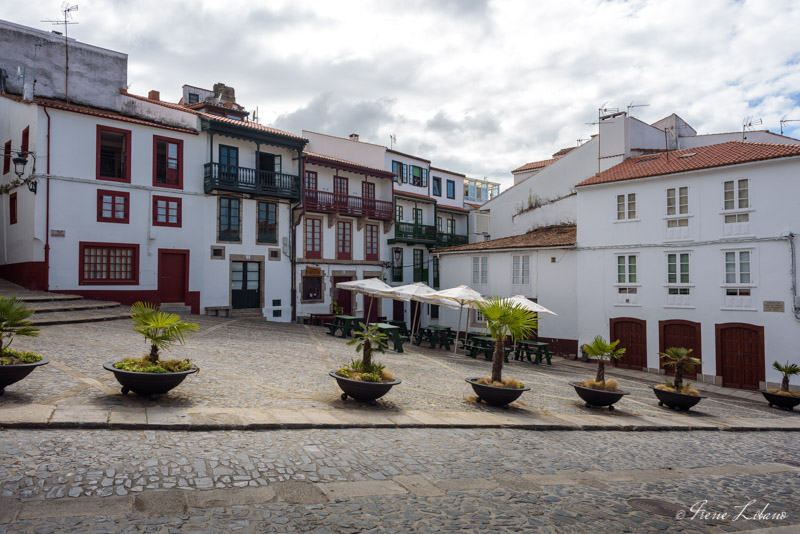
x: 463, y: 296
x: 367, y: 286
x: 416, y: 291
x: 528, y: 304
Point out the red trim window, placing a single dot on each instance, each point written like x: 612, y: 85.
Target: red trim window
x: 344, y: 240
x: 108, y: 264
x: 26, y: 139
x: 167, y: 162
x: 166, y: 211
x: 12, y: 208
x: 311, y: 180
x: 113, y: 154
x: 371, y: 242
x: 313, y: 238
x: 113, y: 206
x: 7, y: 157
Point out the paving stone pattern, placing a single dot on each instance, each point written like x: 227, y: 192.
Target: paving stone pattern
x: 407, y: 480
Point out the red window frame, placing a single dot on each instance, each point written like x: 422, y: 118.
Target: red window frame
x: 12, y: 208
x: 312, y: 235
x: 344, y: 240
x: 178, y: 175
x: 368, y: 190
x: 7, y: 157
x: 341, y: 186
x: 311, y: 180
x: 371, y: 242
x: 126, y: 153
x: 168, y: 201
x: 26, y: 134
x: 114, y: 195
x: 105, y: 251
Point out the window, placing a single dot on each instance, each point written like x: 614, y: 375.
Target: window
x: 344, y: 237
x: 451, y: 189
x: 12, y: 208
x: 437, y: 186
x: 311, y: 180
x: 228, y: 162
x: 677, y: 208
x: 312, y: 288
x: 626, y: 270
x: 368, y: 191
x: 229, y: 219
x: 341, y: 187
x: 451, y: 226
x: 626, y: 209
x: 7, y: 157
x: 480, y: 270
x: 397, y: 169
x: 521, y: 270
x: 269, y: 163
x: 435, y: 279
x: 371, y: 242
x: 479, y: 318
x: 738, y: 272
x: 417, y: 215
x: 166, y: 211
x: 416, y: 175
x: 439, y: 225
x: 420, y: 272
x: 26, y: 139
x: 678, y: 281
x: 397, y: 264
x: 113, y: 206
x: 398, y: 213
x: 113, y: 154
x: 194, y: 98
x: 267, y: 231
x: 313, y: 238
x: 167, y: 162
x: 104, y: 263
x: 434, y: 309
x: 736, y: 198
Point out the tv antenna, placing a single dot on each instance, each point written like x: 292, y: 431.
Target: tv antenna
x: 748, y: 123
x: 632, y: 105
x: 67, y: 10
x: 784, y: 120
x: 392, y: 141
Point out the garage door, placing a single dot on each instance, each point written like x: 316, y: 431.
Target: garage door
x: 631, y: 335
x: 678, y: 333
x: 740, y: 355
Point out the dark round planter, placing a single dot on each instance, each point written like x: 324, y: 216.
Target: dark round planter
x: 363, y: 391
x: 10, y: 374
x: 785, y: 402
x: 677, y: 401
x: 494, y: 395
x: 598, y: 397
x: 147, y: 384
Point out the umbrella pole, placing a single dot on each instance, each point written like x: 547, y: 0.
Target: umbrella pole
x: 466, y: 328
x: 414, y: 319
x: 366, y: 319
x: 458, y: 329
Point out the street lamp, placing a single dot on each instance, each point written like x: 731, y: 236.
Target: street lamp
x: 19, y: 169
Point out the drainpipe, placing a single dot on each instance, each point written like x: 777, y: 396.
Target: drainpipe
x: 795, y: 308
x: 47, y: 212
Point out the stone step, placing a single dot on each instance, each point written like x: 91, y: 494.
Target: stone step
x: 81, y: 316
x: 69, y: 305
x: 248, y: 312
x: 178, y: 308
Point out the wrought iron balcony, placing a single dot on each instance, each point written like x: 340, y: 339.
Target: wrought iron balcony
x: 450, y: 240
x: 244, y: 180
x: 405, y: 232
x: 327, y: 202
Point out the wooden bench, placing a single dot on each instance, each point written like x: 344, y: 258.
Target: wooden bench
x: 218, y: 311
x: 333, y: 327
x: 547, y: 355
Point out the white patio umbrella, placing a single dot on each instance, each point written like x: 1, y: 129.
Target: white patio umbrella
x: 463, y: 296
x: 367, y: 286
x: 416, y: 291
x: 528, y: 304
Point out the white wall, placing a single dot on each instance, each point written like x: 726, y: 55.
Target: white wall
x: 358, y: 152
x: 458, y: 184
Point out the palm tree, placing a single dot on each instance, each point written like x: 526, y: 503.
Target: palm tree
x: 602, y: 350
x: 14, y: 321
x: 504, y: 319
x: 370, y: 339
x: 787, y: 370
x: 682, y: 359
x: 160, y: 329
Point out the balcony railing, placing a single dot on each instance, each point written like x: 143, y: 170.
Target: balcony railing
x: 327, y: 202
x: 245, y: 180
x: 414, y: 233
x: 450, y: 240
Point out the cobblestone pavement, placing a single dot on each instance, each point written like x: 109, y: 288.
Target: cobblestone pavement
x: 405, y: 480
x: 248, y: 363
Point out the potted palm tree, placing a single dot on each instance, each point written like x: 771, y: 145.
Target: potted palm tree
x: 150, y: 375
x: 363, y: 379
x: 676, y: 394
x: 783, y: 398
x: 14, y: 364
x: 502, y: 319
x: 600, y: 392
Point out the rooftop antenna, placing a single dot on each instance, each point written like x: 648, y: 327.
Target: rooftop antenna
x: 748, y: 123
x: 632, y: 105
x: 392, y: 141
x: 67, y: 10
x: 784, y: 120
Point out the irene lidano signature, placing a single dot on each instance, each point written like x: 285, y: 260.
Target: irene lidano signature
x: 751, y: 511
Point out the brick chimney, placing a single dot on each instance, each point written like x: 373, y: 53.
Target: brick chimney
x: 224, y: 93
x: 154, y: 95
x: 354, y: 137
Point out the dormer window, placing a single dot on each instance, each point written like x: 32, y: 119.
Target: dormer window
x: 194, y: 98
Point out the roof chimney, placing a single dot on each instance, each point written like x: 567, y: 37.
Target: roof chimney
x: 354, y: 137
x: 224, y: 93
x: 154, y: 95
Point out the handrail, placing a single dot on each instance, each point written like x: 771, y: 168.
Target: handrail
x: 244, y: 179
x: 327, y: 202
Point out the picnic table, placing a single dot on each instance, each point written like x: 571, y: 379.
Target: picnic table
x: 399, y: 324
x: 394, y: 334
x: 527, y: 347
x: 318, y: 319
x: 485, y: 345
x: 345, y: 323
x: 436, y: 335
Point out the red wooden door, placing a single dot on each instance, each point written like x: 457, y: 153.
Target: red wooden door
x: 740, y: 355
x: 398, y: 310
x: 368, y: 198
x: 678, y: 333
x: 173, y: 275
x: 343, y: 297
x: 632, y: 337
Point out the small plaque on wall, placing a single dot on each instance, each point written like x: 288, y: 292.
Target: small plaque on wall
x: 773, y: 306
x: 58, y: 233
x: 313, y: 271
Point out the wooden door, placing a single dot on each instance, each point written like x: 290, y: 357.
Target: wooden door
x: 368, y: 198
x: 740, y: 355
x: 678, y: 333
x: 343, y: 297
x: 245, y: 284
x: 173, y: 275
x: 398, y: 310
x: 632, y: 336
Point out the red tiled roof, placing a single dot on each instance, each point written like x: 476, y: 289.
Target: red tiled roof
x: 399, y: 193
x: 251, y: 125
x: 472, y: 205
x: 534, y: 165
x: 451, y: 208
x: 312, y: 158
x: 563, y: 152
x: 692, y: 159
x: 545, y: 237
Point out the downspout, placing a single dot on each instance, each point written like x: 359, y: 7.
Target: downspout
x: 795, y: 308
x: 47, y: 212
x: 301, y: 165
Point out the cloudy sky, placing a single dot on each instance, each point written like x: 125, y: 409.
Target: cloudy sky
x: 480, y: 87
